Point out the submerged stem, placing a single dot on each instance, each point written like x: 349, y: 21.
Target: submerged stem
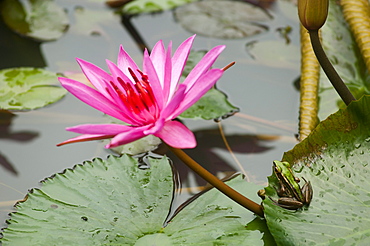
x: 221, y: 186
x: 329, y: 70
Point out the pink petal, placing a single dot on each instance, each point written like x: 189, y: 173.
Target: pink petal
x: 177, y: 135
x: 134, y: 134
x: 168, y: 86
x: 97, y: 77
x: 92, y: 97
x: 202, y: 85
x: 158, y: 58
x: 174, y: 103
x: 107, y: 129
x: 116, y: 72
x: 149, y: 70
x: 157, y: 126
x: 84, y: 138
x: 180, y: 57
x: 203, y: 65
x: 125, y: 61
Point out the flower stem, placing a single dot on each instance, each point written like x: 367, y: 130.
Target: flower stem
x: 329, y: 70
x: 221, y: 186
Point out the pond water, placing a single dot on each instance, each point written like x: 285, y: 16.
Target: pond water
x: 261, y: 84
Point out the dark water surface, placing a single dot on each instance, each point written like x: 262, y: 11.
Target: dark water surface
x: 263, y: 91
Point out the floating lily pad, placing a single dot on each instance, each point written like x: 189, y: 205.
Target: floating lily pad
x: 113, y: 202
x: 28, y: 88
x: 38, y: 19
x: 222, y: 19
x: 93, y: 21
x: 142, y: 145
x: 212, y: 106
x: 335, y: 158
x: 275, y: 53
x: 148, y: 6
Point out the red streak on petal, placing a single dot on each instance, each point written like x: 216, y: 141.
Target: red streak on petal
x: 84, y: 140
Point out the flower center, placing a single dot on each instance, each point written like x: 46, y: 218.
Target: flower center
x: 139, y: 97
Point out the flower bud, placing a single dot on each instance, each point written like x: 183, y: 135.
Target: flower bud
x: 313, y: 13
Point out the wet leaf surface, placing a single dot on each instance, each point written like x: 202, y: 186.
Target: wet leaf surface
x: 100, y: 202
x: 214, y: 216
x: 114, y: 202
x: 335, y: 159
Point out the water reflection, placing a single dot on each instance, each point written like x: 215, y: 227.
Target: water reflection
x: 6, y: 118
x: 18, y: 51
x: 126, y: 22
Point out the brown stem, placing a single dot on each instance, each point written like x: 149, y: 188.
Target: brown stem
x: 221, y: 186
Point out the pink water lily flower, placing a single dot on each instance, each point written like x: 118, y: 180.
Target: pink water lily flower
x: 147, y: 100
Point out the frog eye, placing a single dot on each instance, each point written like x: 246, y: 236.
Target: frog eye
x: 287, y: 164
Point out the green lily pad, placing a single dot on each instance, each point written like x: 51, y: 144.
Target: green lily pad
x: 98, y: 203
x: 142, y: 145
x: 213, y: 215
x: 335, y: 159
x: 115, y: 202
x: 213, y: 105
x: 28, y: 88
x: 38, y: 19
x: 222, y: 19
x: 149, y: 6
x: 345, y: 56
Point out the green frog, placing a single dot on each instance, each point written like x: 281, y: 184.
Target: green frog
x: 292, y: 196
